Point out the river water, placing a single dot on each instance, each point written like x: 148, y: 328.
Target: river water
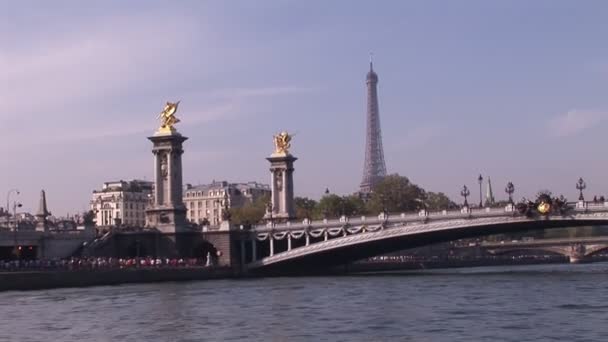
x: 520, y: 303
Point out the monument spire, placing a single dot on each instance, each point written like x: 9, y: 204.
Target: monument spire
x: 374, y: 167
x: 42, y: 208
x: 489, y: 195
x: 42, y: 214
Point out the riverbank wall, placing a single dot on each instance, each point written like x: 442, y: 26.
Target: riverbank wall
x: 37, y: 280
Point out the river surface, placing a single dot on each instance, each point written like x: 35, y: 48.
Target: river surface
x: 515, y: 303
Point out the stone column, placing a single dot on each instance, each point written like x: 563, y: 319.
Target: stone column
x: 281, y: 171
x: 271, y: 245
x: 168, y: 213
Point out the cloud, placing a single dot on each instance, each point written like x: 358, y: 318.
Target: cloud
x: 419, y: 136
x: 96, y: 82
x: 267, y: 91
x: 575, y: 121
x: 92, y: 64
x: 226, y: 104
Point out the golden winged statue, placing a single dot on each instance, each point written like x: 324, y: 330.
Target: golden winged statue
x: 282, y: 143
x: 167, y: 117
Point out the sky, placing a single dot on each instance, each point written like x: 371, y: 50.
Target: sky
x: 514, y: 90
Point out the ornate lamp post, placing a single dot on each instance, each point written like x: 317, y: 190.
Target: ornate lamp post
x: 7, y: 210
x: 269, y: 209
x: 510, y: 189
x: 465, y: 193
x: 580, y: 186
x: 383, y: 200
x: 480, y: 180
x: 16, y: 249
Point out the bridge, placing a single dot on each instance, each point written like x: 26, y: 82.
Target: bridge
x: 576, y: 249
x: 313, y: 245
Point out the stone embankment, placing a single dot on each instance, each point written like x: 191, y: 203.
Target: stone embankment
x: 36, y: 280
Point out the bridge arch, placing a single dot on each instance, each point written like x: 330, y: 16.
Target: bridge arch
x: 595, y: 249
x: 390, y: 238
x: 561, y: 250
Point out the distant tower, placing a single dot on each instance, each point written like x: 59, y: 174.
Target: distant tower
x: 42, y: 224
x: 489, y: 195
x: 375, y: 168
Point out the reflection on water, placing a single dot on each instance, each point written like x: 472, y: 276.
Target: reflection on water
x: 527, y: 303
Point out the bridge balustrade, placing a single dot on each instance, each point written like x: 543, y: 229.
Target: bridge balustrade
x: 283, y: 241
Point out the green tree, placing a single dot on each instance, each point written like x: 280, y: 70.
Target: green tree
x: 251, y: 212
x: 305, y: 207
x: 395, y: 193
x: 438, y: 201
x: 332, y: 206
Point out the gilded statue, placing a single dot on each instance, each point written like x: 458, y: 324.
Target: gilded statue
x: 282, y: 143
x: 167, y: 117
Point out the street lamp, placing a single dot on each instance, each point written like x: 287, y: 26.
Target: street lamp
x: 480, y: 180
x: 8, y: 197
x: 465, y: 193
x: 580, y: 186
x: 269, y: 209
x: 383, y: 201
x: 16, y: 249
x: 510, y: 189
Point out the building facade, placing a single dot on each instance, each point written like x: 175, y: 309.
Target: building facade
x: 208, y: 203
x: 122, y: 203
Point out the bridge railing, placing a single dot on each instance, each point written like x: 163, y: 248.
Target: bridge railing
x: 389, y: 219
x: 405, y: 218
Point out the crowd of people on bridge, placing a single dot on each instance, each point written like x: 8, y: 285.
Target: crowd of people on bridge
x: 101, y: 263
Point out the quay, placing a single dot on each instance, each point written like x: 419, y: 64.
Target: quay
x: 38, y: 280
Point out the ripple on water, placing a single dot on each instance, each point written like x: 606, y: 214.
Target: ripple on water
x: 491, y: 304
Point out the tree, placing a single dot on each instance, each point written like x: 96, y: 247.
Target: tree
x: 251, y: 212
x: 305, y: 207
x: 332, y: 206
x: 395, y: 193
x: 438, y: 201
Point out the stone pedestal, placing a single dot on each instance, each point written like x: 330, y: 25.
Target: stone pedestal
x: 167, y: 212
x: 281, y: 170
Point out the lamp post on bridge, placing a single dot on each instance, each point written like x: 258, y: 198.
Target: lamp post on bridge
x: 580, y: 186
x: 480, y: 180
x: 7, y: 210
x: 465, y: 193
x: 269, y: 210
x: 510, y: 189
x: 383, y: 201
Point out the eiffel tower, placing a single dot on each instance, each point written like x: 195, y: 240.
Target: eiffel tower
x: 374, y: 168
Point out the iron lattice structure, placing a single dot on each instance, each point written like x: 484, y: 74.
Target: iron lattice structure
x: 374, y: 168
